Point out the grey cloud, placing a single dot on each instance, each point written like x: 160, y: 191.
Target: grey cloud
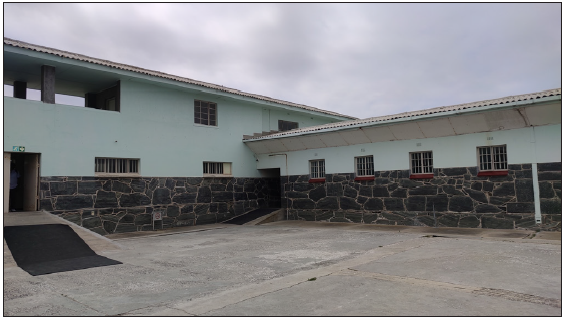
x: 360, y: 59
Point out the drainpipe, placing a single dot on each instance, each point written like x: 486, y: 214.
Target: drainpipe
x: 536, y: 192
x: 287, y: 180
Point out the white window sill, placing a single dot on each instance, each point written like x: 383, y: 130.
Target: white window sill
x: 117, y: 175
x: 217, y: 175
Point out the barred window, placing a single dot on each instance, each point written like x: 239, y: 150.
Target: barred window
x: 205, y: 113
x: 116, y: 165
x: 421, y: 163
x: 284, y: 125
x: 317, y: 168
x: 364, y: 166
x: 492, y: 158
x: 215, y: 168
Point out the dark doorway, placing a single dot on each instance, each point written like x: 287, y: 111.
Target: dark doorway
x: 272, y: 177
x: 24, y: 196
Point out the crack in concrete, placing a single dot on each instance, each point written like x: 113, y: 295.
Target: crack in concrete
x: 68, y: 297
x: 516, y: 296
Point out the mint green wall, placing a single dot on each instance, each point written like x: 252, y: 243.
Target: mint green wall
x: 526, y: 145
x: 156, y: 125
x: 270, y: 119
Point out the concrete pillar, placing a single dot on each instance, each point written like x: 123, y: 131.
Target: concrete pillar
x: 20, y: 89
x: 90, y: 100
x: 48, y: 84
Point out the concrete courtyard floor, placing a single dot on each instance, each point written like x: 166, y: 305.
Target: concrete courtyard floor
x: 294, y: 268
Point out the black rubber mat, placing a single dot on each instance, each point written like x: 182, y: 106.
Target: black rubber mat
x: 245, y: 218
x: 51, y: 248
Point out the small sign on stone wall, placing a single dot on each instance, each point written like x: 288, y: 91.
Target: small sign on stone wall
x: 158, y: 215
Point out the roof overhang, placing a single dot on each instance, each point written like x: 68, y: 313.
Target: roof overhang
x: 519, y: 114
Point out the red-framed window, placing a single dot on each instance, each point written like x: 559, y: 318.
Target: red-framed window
x: 421, y: 164
x: 492, y: 160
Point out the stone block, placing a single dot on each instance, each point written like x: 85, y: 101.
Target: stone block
x: 424, y: 190
x: 142, y: 219
x: 292, y: 194
x: 89, y: 187
x: 206, y: 219
x: 399, y: 193
x: 477, y: 186
x: 546, y: 190
x: 161, y: 196
x: 349, y: 204
x: 551, y: 206
x: 408, y: 183
x: 415, y: 203
x: 460, y: 204
x: 469, y: 221
x: 355, y: 217
x: 63, y: 188
x: 440, y: 202
x: 394, y: 204
x: 374, y: 204
x: 218, y: 187
x: 476, y: 195
x: 366, y: 190
x: 73, y: 217
x: 455, y: 171
x: 91, y: 222
x: 487, y: 208
x: 73, y: 202
x: 497, y: 223
x: 187, y: 209
x: 549, y: 167
x: 45, y: 204
x: 172, y: 211
x: 368, y: 218
x: 425, y: 220
x: 524, y: 174
x: 306, y: 215
x: 449, y: 220
x: 323, y: 215
x: 303, y: 187
x: 451, y: 190
x: 222, y: 196
x: 109, y: 226
x: 505, y: 189
x: 300, y: 203
x: 380, y: 191
x: 121, y: 187
x: 131, y: 200
x: 499, y: 200
x: 204, y: 195
x: 318, y: 193
x: 543, y: 176
x: 334, y: 189
x: 524, y: 190
x: 201, y: 209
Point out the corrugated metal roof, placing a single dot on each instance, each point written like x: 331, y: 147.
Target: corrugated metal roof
x: 402, y: 116
x: 70, y: 55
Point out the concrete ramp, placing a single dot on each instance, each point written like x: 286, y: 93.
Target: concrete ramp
x: 96, y: 242
x: 256, y: 217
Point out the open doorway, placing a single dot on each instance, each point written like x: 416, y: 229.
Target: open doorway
x: 23, y: 182
x: 272, y: 177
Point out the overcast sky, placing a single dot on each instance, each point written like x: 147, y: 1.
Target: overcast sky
x: 362, y: 60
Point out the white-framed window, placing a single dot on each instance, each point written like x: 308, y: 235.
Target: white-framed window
x: 217, y: 169
x: 421, y: 162
x: 364, y: 165
x: 317, y: 168
x: 205, y: 113
x: 284, y: 125
x: 106, y: 165
x: 492, y: 158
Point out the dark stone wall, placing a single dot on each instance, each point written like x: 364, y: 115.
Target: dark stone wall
x: 550, y: 194
x: 458, y: 196
x: 116, y: 204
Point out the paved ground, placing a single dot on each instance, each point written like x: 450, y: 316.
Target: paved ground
x: 220, y: 270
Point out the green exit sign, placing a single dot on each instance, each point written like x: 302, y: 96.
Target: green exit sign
x: 18, y: 149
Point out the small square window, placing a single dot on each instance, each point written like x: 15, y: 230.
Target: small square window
x: 317, y: 168
x: 205, y: 113
x: 492, y: 158
x: 284, y: 125
x: 216, y: 169
x: 119, y: 166
x: 421, y: 162
x: 364, y: 166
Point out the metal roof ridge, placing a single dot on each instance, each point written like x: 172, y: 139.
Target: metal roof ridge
x: 370, y: 120
x: 108, y: 63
